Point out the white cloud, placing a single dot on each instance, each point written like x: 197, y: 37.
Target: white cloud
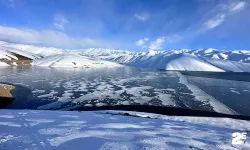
x: 142, y: 16
x: 173, y: 38
x: 238, y: 6
x: 45, y: 38
x: 216, y: 21
x: 223, y: 13
x: 157, y: 44
x: 60, y: 21
x: 141, y: 42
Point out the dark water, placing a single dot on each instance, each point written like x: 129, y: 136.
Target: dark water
x: 59, y: 88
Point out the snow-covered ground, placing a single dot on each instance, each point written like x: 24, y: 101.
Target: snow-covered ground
x: 2, y: 64
x: 33, y: 129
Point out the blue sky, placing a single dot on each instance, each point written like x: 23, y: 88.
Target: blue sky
x: 135, y: 25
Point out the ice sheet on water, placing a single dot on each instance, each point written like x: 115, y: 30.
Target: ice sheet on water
x: 124, y: 86
x: 204, y: 97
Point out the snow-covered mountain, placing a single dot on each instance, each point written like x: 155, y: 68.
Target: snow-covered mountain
x: 50, y: 57
x: 12, y: 53
x: 35, y: 51
x: 183, y: 59
x: 73, y: 60
x: 99, y: 52
x: 235, y: 55
x: 191, y: 60
x: 231, y: 55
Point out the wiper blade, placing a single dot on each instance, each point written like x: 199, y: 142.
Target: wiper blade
x: 163, y: 110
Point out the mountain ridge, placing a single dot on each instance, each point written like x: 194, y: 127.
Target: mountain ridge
x: 183, y: 59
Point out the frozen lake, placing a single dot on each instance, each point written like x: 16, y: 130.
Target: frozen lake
x: 64, y: 89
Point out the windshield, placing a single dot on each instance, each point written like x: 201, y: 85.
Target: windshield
x: 149, y: 54
x: 124, y: 74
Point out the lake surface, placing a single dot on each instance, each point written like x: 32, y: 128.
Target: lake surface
x: 64, y: 89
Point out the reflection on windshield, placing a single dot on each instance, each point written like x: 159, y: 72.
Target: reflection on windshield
x: 67, y: 89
